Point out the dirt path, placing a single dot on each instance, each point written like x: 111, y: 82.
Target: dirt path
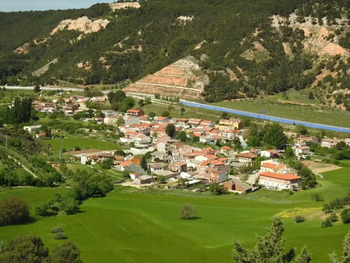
x: 24, y: 167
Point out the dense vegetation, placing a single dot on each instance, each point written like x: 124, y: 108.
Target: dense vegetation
x: 140, y: 41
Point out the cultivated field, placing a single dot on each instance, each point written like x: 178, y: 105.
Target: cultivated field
x: 131, y: 225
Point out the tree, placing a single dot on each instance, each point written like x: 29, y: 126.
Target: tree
x: 182, y: 111
x: 165, y: 114
x: 311, y: 95
x: 216, y: 189
x: 274, y: 136
x: 141, y: 103
x: 29, y: 249
x: 187, y: 211
x: 66, y: 253
x: 148, y: 100
x: 304, y: 256
x: 144, y: 164
x: 170, y: 130
x: 37, y: 88
x: 151, y: 114
x: 346, y: 252
x: 182, y: 136
x: 13, y: 210
x: 345, y: 216
x: 161, y: 179
x: 269, y: 248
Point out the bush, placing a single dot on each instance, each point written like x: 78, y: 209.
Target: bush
x: 187, y: 211
x: 56, y: 229
x: 333, y: 217
x: 13, y: 210
x: 317, y: 198
x: 60, y: 235
x: 326, y: 223
x: 299, y: 219
x: 345, y: 216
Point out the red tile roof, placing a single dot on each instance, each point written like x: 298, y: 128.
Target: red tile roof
x: 287, y: 177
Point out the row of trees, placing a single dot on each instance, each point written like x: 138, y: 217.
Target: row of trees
x: 20, y: 112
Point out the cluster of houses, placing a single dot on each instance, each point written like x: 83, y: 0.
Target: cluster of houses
x: 68, y: 106
x: 176, y: 160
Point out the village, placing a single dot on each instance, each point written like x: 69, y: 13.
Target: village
x: 180, y: 152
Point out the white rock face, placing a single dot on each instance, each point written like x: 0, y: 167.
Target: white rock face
x: 82, y: 24
x: 116, y: 6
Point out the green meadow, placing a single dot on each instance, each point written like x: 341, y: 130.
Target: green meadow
x: 271, y: 106
x: 131, y: 225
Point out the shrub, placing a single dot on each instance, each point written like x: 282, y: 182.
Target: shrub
x: 317, y: 198
x: 326, y: 223
x: 299, y: 219
x: 345, y: 216
x: 60, y: 235
x: 56, y: 229
x: 13, y: 210
x: 333, y: 217
x: 187, y: 211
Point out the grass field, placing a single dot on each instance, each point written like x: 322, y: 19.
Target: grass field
x: 133, y: 226
x: 271, y: 106
x: 71, y: 142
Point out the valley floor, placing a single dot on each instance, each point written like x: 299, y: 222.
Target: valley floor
x: 131, y: 225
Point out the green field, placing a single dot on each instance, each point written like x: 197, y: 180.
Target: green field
x: 130, y: 225
x: 71, y: 142
x: 271, y: 106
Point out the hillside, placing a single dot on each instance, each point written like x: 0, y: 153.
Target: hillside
x: 239, y: 50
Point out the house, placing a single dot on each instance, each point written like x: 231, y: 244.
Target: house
x: 229, y: 124
x: 302, y: 152
x: 194, y: 122
x: 144, y: 179
x: 160, y: 156
x: 206, y: 139
x: 269, y: 154
x: 118, y: 159
x: 178, y: 167
x: 111, y: 120
x: 135, y: 113
x: 131, y: 166
x: 32, y: 128
x: 142, y: 141
x: 303, y: 139
x: 158, y: 166
x: 246, y: 157
x: 276, y: 176
x: 329, y: 143
x: 279, y: 182
x: 274, y: 166
x: 236, y: 185
x: 214, y: 176
x: 206, y: 123
x: 226, y: 150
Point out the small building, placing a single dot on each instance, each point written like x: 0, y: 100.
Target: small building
x: 237, y: 186
x: 246, y: 157
x: 329, y: 143
x: 32, y: 128
x: 135, y: 113
x: 158, y: 166
x: 229, y: 124
x: 144, y: 179
x: 302, y: 152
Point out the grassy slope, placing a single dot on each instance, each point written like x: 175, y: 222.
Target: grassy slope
x: 129, y: 226
x: 271, y: 106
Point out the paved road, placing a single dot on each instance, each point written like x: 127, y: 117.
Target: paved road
x: 267, y: 117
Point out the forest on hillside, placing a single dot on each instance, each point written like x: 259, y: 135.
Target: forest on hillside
x: 220, y: 34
